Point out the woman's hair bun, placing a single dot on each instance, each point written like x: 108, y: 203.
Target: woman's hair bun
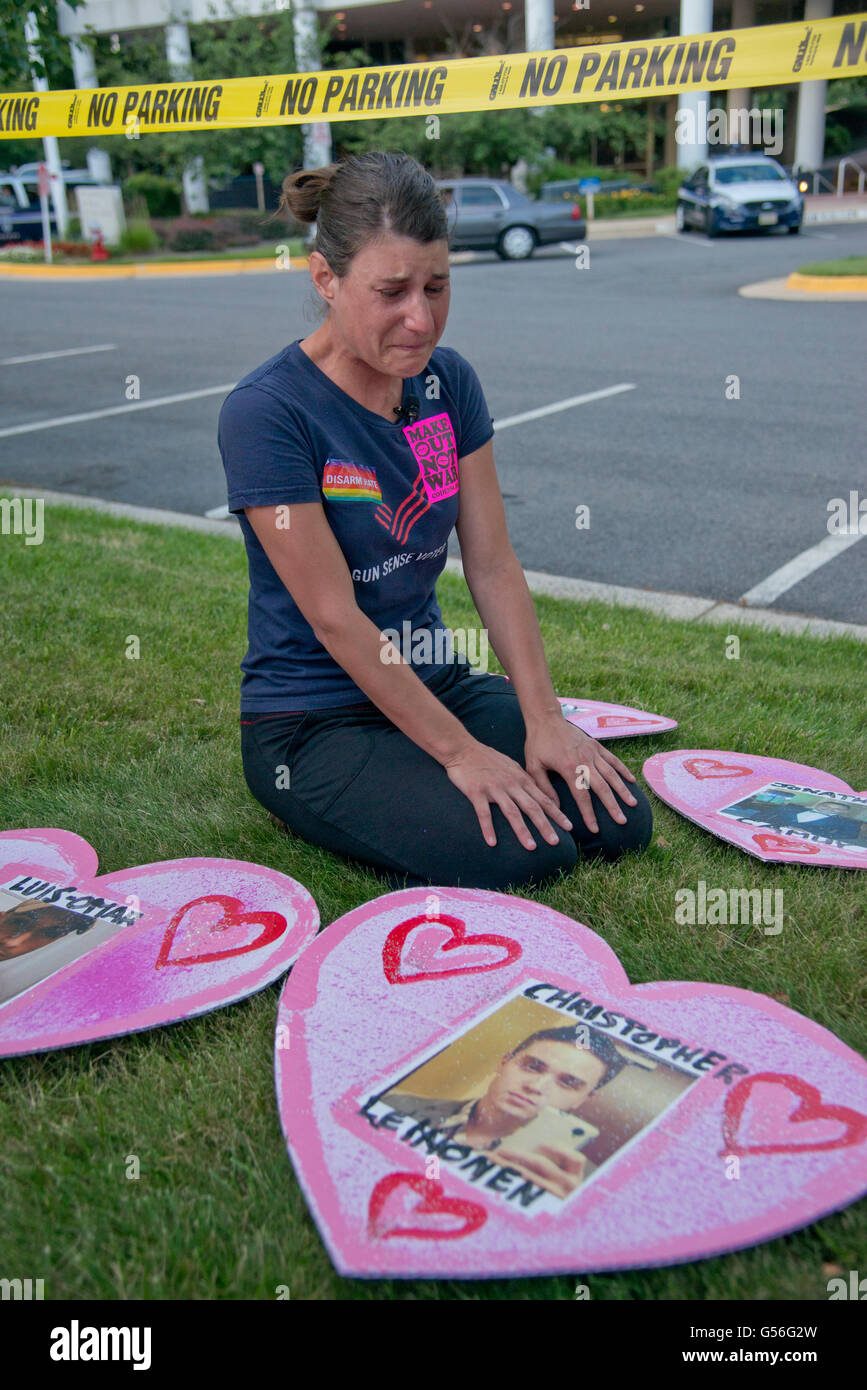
x: 302, y: 192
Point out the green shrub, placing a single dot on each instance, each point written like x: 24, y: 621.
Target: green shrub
x: 186, y: 238
x: 161, y: 195
x: 668, y: 181
x: 631, y: 204
x: 252, y: 221
x: 138, y: 237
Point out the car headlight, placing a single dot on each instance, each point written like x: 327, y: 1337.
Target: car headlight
x: 727, y: 204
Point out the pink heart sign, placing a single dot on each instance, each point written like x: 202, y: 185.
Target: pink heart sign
x: 782, y: 812
x: 603, y: 720
x: 600, y: 719
x: 469, y: 1086
x: 84, y: 957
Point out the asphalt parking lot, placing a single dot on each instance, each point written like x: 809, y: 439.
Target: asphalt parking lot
x: 690, y: 491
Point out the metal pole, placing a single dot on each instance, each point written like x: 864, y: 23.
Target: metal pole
x: 49, y: 142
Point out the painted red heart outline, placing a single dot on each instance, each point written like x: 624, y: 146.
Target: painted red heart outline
x: 393, y: 945
x: 784, y: 844
x: 812, y: 1107
x: 433, y: 1202
x: 112, y: 989
x: 614, y: 721
x: 724, y: 769
x: 274, y: 925
x: 327, y: 1000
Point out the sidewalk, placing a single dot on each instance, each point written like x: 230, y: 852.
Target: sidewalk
x: 664, y: 604
x: 818, y: 208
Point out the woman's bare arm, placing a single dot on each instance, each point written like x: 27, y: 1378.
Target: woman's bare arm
x: 499, y: 588
x: 309, y: 561
x: 311, y: 564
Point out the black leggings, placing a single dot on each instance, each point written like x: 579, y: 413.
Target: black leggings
x: 360, y: 787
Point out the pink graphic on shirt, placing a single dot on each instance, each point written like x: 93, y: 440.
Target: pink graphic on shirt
x: 400, y: 522
x: 433, y: 443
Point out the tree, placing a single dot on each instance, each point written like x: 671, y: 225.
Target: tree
x: 56, y: 65
x: 242, y: 46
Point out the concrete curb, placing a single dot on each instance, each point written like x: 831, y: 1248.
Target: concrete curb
x: 603, y: 229
x: 669, y: 605
x: 129, y: 511
x: 828, y: 284
x: 142, y: 270
x: 781, y: 289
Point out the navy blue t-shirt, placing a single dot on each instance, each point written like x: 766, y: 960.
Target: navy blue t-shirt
x: 288, y: 433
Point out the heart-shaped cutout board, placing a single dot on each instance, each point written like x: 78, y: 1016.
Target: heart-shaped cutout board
x: 779, y: 811
x: 84, y: 956
x: 601, y: 720
x: 469, y: 1086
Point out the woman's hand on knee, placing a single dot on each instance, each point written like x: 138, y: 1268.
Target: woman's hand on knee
x: 484, y: 775
x: 584, y: 765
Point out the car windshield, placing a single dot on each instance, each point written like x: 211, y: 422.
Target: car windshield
x: 748, y: 173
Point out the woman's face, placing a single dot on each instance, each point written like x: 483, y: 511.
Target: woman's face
x: 390, y: 308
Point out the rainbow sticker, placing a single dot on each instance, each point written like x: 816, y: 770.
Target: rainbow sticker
x: 349, y: 482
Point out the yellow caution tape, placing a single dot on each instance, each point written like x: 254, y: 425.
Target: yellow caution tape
x: 768, y: 56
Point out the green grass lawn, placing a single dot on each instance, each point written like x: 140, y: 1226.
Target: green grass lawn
x: 846, y: 265
x: 142, y: 759
x: 263, y: 251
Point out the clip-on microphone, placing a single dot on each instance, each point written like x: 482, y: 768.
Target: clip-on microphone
x: 410, y: 408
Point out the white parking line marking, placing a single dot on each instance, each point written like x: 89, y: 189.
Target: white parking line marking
x: 796, y: 570
x: 117, y: 410
x: 563, y: 405
x: 61, y: 352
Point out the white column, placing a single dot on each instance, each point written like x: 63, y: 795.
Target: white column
x: 810, y: 133
x: 696, y: 17
x: 180, y: 59
x: 84, y: 69
x: 316, y: 134
x: 538, y: 33
x: 743, y: 17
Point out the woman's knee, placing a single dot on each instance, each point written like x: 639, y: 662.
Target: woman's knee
x: 509, y: 865
x: 616, y: 838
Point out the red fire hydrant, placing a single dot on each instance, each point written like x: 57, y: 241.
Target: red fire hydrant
x: 97, y: 250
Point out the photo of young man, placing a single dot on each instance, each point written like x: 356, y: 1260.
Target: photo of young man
x: 35, y: 940
x: 543, y: 1081
x: 804, y: 811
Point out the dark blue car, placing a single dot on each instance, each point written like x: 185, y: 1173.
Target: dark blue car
x: 738, y: 193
